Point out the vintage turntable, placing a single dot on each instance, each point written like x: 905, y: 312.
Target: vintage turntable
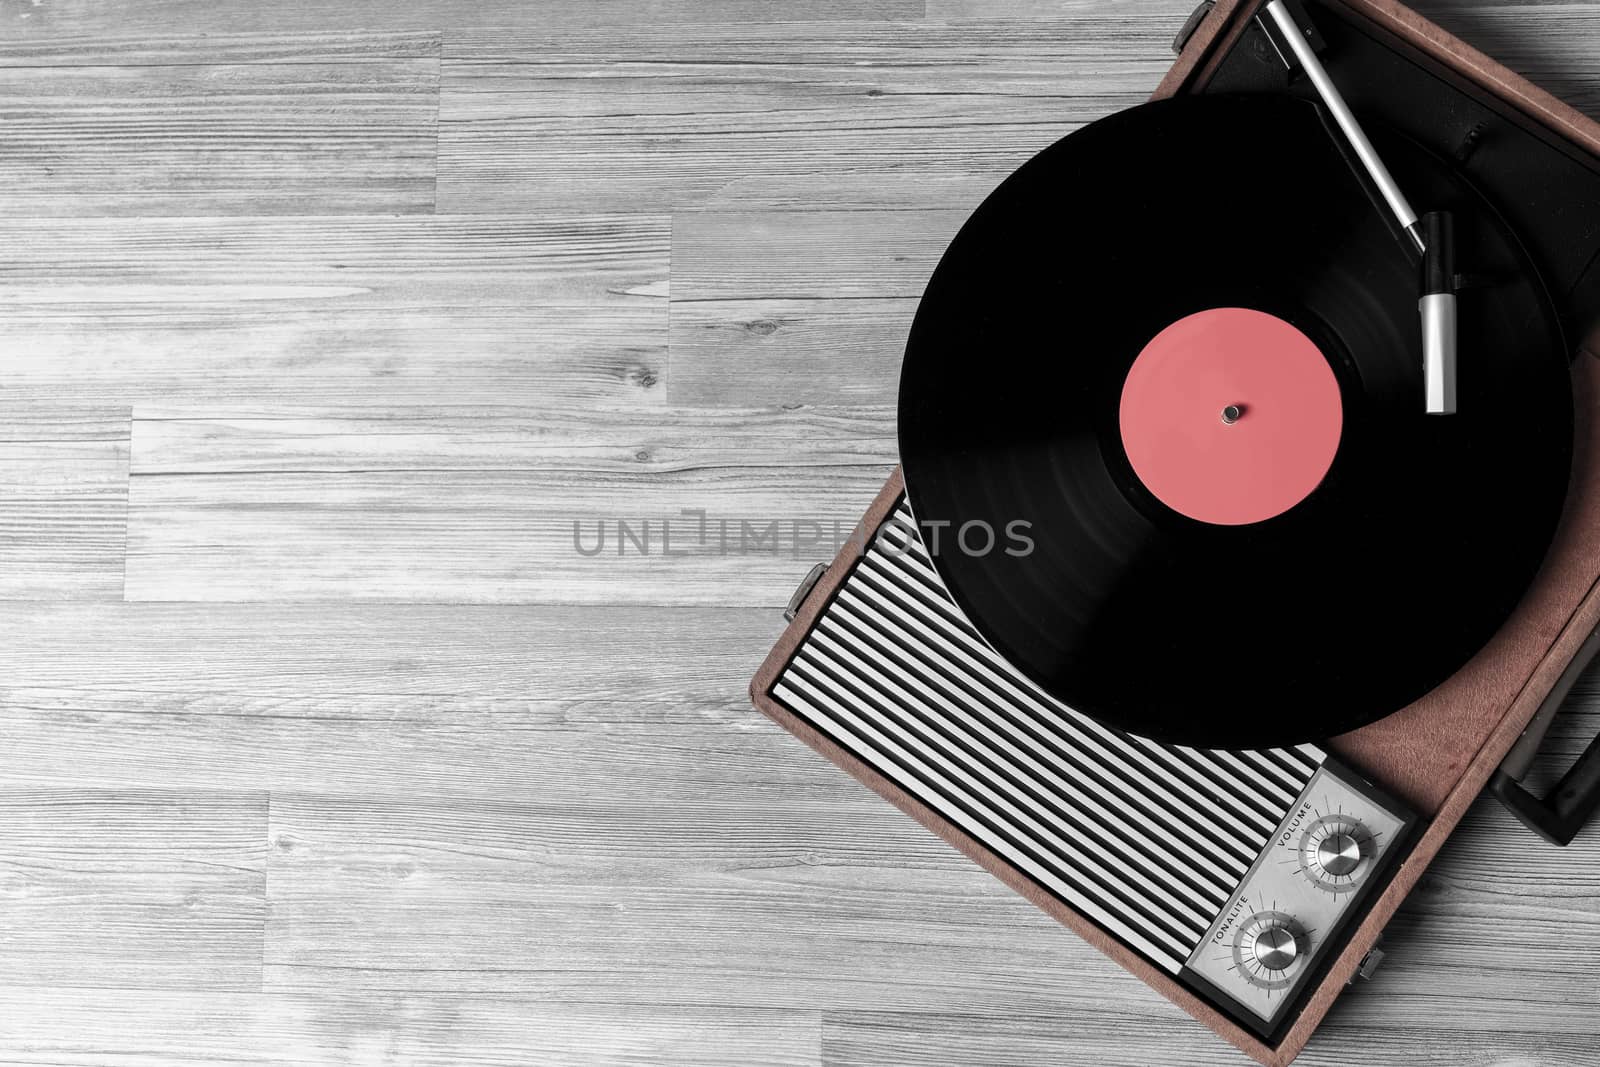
x: 1310, y: 489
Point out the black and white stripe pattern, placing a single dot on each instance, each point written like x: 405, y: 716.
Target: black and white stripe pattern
x: 1148, y: 840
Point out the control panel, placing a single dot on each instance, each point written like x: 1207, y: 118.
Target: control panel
x: 1287, y: 914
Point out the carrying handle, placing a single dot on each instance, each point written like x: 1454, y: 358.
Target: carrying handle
x: 1559, y: 816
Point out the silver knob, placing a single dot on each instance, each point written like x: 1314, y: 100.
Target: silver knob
x: 1339, y: 853
x: 1335, y: 852
x: 1276, y: 947
x: 1268, y: 949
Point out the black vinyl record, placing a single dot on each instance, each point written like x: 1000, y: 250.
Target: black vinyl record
x: 1384, y: 581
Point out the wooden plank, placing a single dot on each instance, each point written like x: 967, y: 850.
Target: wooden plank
x: 336, y: 263
x: 312, y: 355
x: 550, y: 840
x: 180, y: 47
x: 558, y: 752
x: 1174, y: 11
x: 792, y: 308
x: 527, y: 900
x: 67, y: 1027
x: 1500, y: 916
x: 64, y: 494
x: 308, y: 652
x: 138, y: 888
x: 209, y: 135
x: 1112, y: 1035
x: 882, y: 115
x: 308, y: 312
x: 810, y: 255
x: 52, y: 22
x: 498, y: 506
x: 493, y: 538
x: 639, y: 905
x: 170, y: 442
x: 788, y: 353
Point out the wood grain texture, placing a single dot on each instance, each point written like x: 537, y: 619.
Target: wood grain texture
x: 148, y: 134
x: 559, y: 752
x: 498, y: 506
x: 54, y: 20
x: 915, y: 928
x: 64, y: 497
x: 307, y: 354
x: 132, y: 888
x: 334, y: 651
x: 158, y: 1028
x: 871, y: 1038
x: 808, y: 255
x: 784, y: 353
x: 787, y: 308
x: 516, y: 898
x: 173, y: 46
x: 319, y: 743
x: 615, y: 260
x: 934, y: 114
x: 296, y: 313
x: 1173, y: 11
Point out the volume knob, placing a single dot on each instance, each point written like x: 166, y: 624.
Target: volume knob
x: 1339, y: 853
x: 1334, y: 853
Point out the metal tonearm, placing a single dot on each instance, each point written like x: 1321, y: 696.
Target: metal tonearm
x: 1438, y: 303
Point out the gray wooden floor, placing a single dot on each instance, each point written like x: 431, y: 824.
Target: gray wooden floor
x: 321, y: 324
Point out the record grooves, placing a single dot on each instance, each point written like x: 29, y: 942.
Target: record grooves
x: 1298, y: 616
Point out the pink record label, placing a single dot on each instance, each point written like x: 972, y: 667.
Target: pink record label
x: 1231, y: 416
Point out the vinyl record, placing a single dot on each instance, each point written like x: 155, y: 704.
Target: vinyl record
x: 1209, y: 266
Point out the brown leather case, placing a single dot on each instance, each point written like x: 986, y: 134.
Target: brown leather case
x: 1437, y: 754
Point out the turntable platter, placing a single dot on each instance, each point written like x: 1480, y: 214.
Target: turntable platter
x: 1177, y: 355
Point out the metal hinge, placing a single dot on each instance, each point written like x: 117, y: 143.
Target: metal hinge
x: 1180, y: 42
x: 1369, y: 966
x: 803, y: 590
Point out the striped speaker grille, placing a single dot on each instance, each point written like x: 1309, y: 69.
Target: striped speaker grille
x: 1147, y: 840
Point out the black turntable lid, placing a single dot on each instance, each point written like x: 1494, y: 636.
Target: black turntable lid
x: 1101, y: 271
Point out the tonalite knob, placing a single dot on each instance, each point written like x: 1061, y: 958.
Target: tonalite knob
x: 1276, y: 947
x: 1268, y: 950
x: 1339, y: 853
